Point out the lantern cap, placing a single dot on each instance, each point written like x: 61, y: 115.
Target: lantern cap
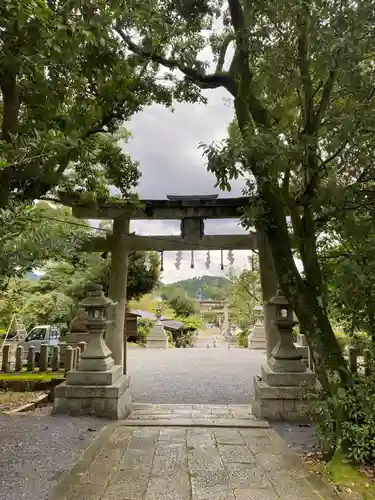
x: 279, y: 299
x: 96, y: 299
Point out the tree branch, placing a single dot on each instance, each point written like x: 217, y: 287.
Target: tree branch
x: 252, y: 295
x: 335, y: 154
x: 223, y: 51
x: 210, y: 81
x: 304, y: 66
x: 322, y: 106
x: 237, y: 15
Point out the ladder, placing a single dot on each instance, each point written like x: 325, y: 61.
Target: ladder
x: 16, y: 326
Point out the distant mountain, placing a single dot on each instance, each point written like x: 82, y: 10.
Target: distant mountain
x: 203, y: 287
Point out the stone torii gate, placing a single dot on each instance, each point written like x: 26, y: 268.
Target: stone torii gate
x: 192, y: 212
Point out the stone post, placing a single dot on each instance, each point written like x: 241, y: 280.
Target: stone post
x: 117, y: 344
x: 157, y: 338
x: 31, y: 358
x: 82, y: 346
x: 5, y: 358
x: 19, y: 358
x: 268, y: 280
x: 226, y: 321
x: 303, y: 347
x: 5, y: 364
x: 280, y: 393
x: 55, y: 361
x: 257, y: 336
x: 68, y: 359
x: 43, y: 360
x: 98, y: 386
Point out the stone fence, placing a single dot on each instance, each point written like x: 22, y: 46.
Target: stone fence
x: 62, y: 358
x: 359, y: 360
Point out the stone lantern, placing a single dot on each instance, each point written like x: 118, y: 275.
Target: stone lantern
x: 257, y: 335
x: 97, y: 387
x: 285, y: 357
x: 280, y: 392
x: 157, y: 338
x: 96, y: 356
x: 158, y: 312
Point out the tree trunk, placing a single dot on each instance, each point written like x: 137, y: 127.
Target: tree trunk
x: 302, y: 295
x: 11, y: 105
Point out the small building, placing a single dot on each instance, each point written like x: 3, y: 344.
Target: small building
x: 131, y: 320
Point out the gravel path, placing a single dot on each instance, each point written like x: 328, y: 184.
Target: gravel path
x: 206, y: 376
x: 36, y: 448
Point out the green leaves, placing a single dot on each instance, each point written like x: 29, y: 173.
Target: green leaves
x: 182, y: 305
x: 67, y: 83
x: 345, y: 420
x: 30, y: 235
x: 349, y: 268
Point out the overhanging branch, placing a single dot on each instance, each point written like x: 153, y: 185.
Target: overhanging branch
x: 205, y: 81
x: 304, y: 67
x: 322, y: 106
x: 223, y: 51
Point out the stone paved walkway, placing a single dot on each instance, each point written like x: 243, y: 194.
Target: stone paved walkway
x: 190, y: 452
x: 192, y: 412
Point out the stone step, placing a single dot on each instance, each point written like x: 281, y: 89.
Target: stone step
x: 194, y: 415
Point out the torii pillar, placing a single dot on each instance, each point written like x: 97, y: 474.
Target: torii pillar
x: 115, y: 339
x: 269, y: 284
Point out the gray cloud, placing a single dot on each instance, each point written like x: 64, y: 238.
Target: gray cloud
x: 166, y: 145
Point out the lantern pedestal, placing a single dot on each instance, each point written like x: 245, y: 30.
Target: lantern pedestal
x: 98, y: 394
x: 282, y: 390
x: 257, y: 337
x: 157, y: 338
x: 97, y: 387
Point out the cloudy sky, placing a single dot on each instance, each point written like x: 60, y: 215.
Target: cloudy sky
x: 166, y: 145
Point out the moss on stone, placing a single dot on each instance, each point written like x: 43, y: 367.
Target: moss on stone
x: 347, y: 477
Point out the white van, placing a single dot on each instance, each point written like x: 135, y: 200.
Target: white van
x: 41, y: 334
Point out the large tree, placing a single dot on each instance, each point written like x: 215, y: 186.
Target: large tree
x: 302, y: 79
x: 66, y: 85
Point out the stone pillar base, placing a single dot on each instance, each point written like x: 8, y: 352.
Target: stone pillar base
x: 303, y: 350
x: 283, y: 396
x: 258, y: 344
x: 157, y: 339
x: 99, y: 394
x: 257, y: 338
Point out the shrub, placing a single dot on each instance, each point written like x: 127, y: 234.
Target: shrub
x: 242, y: 338
x: 143, y: 329
x: 342, y: 339
x: 346, y: 419
x: 360, y: 339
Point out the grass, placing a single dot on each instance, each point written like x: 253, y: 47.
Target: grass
x: 32, y: 376
x: 347, y: 477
